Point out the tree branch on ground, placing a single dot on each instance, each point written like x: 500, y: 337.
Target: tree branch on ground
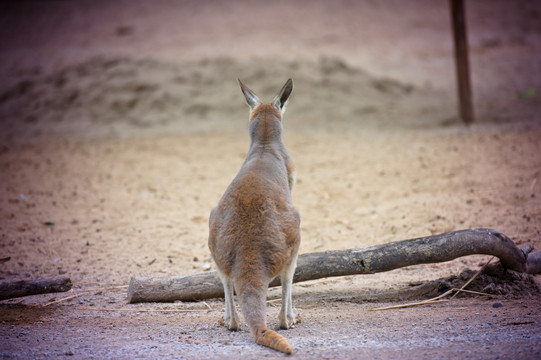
x: 368, y: 260
x: 14, y: 289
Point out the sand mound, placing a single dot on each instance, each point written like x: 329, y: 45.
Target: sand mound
x: 120, y: 96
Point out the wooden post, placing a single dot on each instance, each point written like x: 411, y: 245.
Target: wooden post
x: 461, y: 61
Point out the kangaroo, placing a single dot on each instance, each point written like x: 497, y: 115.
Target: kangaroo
x: 254, y: 231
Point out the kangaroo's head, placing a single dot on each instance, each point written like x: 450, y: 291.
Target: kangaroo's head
x: 266, y: 119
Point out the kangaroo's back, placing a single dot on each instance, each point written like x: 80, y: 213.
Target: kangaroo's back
x: 254, y: 229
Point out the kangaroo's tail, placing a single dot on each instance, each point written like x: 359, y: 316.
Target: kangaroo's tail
x: 253, y: 303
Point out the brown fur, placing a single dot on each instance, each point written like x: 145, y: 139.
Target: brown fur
x: 254, y: 230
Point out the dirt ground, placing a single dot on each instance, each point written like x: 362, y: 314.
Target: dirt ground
x: 122, y: 124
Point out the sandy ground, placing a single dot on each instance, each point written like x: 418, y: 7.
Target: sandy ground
x: 122, y: 125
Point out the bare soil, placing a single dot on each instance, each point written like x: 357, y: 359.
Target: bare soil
x: 122, y: 125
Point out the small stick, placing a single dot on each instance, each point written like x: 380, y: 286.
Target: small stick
x: 471, y: 292
x: 207, y: 305
x: 144, y: 310
x: 473, y: 277
x: 102, y: 288
x: 532, y: 186
x: 81, y: 291
x: 324, y: 281
x: 437, y: 298
x: 61, y: 300
x: 442, y: 295
x: 271, y: 302
x: 307, y: 307
x: 425, y: 302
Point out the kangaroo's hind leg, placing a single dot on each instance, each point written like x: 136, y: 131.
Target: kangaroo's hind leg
x: 288, y: 316
x: 231, y: 318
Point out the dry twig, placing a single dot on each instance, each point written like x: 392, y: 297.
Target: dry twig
x: 61, y: 300
x: 473, y: 277
x: 438, y: 299
x: 145, y: 310
x: 81, y: 291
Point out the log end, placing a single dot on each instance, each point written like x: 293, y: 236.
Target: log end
x: 135, y: 287
x: 533, y: 263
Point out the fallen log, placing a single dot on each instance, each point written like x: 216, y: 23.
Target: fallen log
x: 368, y: 260
x: 14, y: 289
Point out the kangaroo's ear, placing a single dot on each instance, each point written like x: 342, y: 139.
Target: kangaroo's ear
x: 280, y: 100
x: 251, y: 98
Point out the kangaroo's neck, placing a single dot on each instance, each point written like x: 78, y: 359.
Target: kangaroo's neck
x: 265, y: 129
